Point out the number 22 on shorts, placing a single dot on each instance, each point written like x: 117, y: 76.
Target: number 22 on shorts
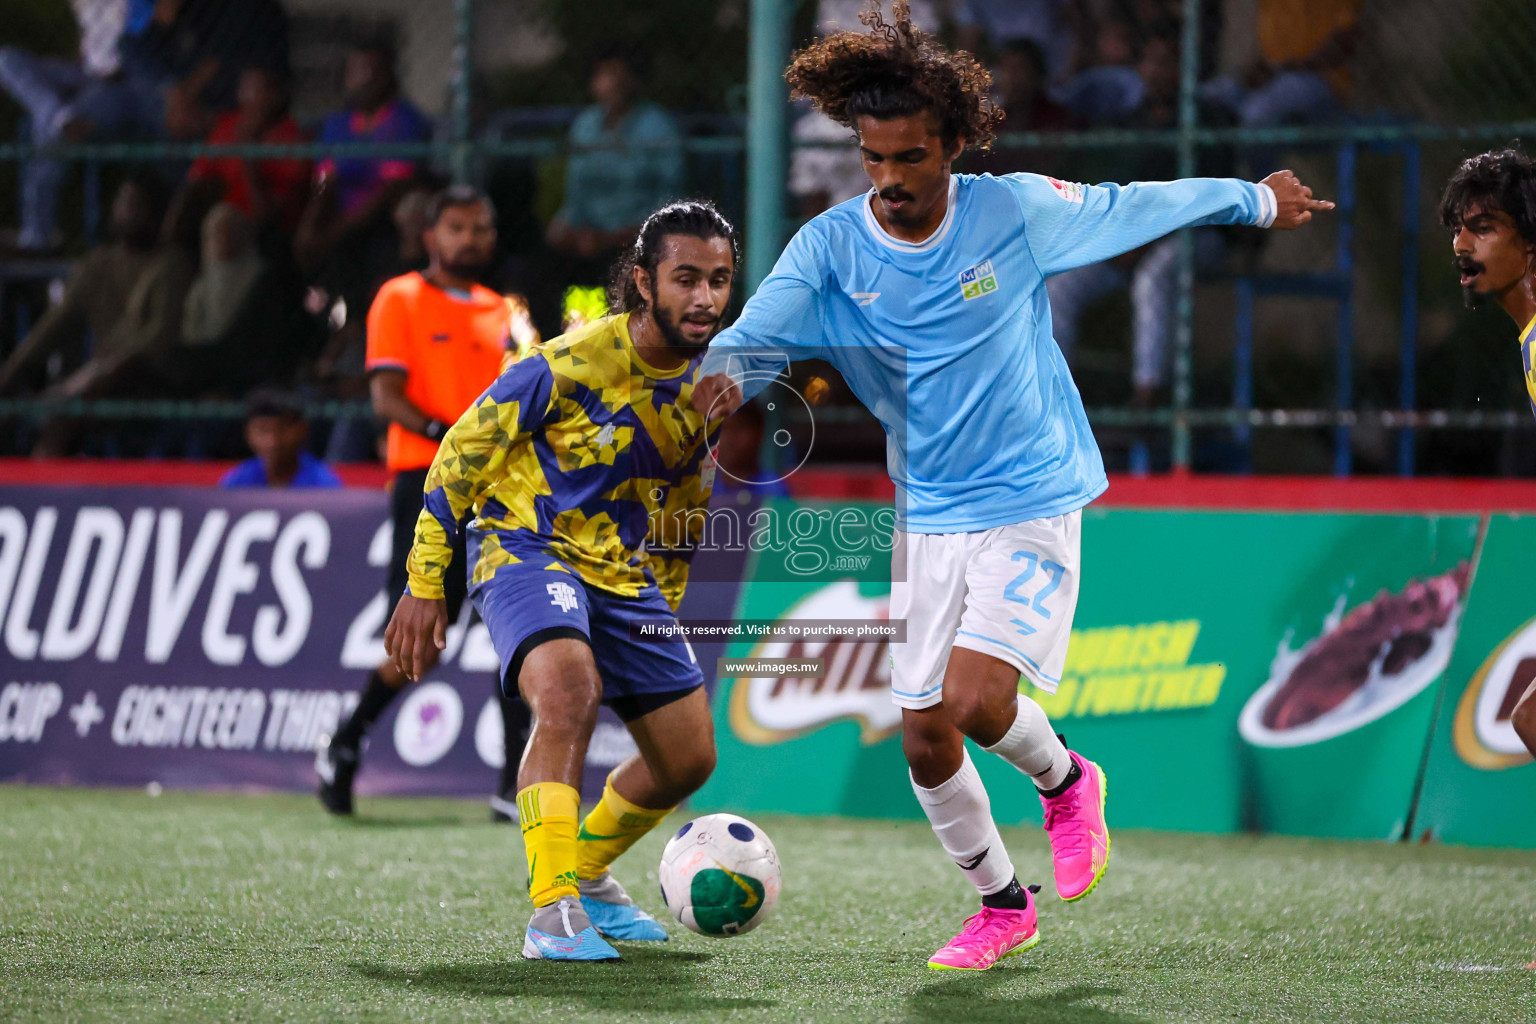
x: 1032, y: 565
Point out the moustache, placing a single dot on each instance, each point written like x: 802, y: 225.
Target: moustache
x: 1467, y: 265
x: 896, y: 195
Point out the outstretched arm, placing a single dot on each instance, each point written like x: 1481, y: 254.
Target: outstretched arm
x: 1068, y: 225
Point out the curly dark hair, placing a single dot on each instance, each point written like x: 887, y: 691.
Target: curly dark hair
x: 897, y: 70
x: 696, y: 218
x: 1501, y: 179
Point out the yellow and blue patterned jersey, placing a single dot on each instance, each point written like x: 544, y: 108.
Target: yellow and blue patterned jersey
x: 1528, y: 361
x: 581, y: 457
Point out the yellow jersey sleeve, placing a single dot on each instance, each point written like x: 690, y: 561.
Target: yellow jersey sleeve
x: 470, y: 464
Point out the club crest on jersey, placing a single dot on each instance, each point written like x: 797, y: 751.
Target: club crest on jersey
x: 1070, y: 191
x: 978, y: 281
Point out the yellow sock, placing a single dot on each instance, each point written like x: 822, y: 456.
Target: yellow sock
x: 548, y: 812
x: 611, y: 828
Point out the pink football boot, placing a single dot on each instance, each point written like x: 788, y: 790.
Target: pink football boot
x: 1079, y: 837
x: 988, y: 937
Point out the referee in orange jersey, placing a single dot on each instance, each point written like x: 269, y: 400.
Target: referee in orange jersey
x: 436, y: 340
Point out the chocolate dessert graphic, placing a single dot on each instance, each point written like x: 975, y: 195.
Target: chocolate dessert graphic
x: 1363, y: 665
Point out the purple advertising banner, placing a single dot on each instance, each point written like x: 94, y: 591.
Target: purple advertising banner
x: 199, y: 638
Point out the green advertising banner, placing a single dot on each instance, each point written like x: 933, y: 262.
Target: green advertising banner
x: 1229, y: 670
x: 1480, y: 786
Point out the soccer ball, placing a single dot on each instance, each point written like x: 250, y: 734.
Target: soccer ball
x: 720, y: 875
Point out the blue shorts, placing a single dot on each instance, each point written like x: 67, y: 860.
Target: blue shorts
x: 526, y: 604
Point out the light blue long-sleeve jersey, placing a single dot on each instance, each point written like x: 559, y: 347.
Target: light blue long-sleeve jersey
x: 948, y: 342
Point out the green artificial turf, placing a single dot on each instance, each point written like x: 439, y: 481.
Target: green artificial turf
x: 121, y: 906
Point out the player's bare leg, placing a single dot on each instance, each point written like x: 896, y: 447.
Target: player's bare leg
x: 560, y: 684
x: 559, y: 681
x: 677, y: 755
x: 982, y: 695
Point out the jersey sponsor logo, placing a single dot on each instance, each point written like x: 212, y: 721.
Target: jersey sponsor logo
x: 563, y: 595
x: 978, y: 281
x: 864, y: 298
x: 1068, y: 191
x: 428, y: 724
x: 1483, y: 731
x: 439, y: 338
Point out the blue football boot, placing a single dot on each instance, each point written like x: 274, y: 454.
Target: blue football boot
x: 562, y: 931
x: 614, y: 914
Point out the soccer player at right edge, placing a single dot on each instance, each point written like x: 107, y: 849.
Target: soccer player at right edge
x: 1490, y: 206
x: 928, y: 295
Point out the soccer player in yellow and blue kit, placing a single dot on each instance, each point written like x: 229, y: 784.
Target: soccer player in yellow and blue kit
x: 581, y: 476
x: 1490, y: 207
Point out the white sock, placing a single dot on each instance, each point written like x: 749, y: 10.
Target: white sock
x: 961, y: 816
x: 1031, y: 746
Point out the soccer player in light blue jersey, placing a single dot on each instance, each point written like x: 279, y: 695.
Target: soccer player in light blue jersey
x: 928, y: 295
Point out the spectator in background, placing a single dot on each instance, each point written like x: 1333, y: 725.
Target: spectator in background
x: 1301, y: 74
x: 275, y: 430
x: 121, y: 297
x: 1109, y: 88
x: 76, y: 101
x: 136, y: 356
x: 346, y: 239
x: 1151, y: 272
x: 196, y: 49
x: 1021, y: 83
x: 1018, y: 78
x: 365, y: 187
x: 240, y: 326
x: 261, y: 189
x: 993, y: 27
x: 625, y: 161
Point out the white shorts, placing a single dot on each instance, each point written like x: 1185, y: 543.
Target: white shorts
x: 1010, y: 592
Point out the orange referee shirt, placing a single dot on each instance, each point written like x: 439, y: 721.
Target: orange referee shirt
x: 450, y: 350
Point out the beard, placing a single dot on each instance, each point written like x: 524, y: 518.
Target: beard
x: 673, y: 335
x: 465, y: 267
